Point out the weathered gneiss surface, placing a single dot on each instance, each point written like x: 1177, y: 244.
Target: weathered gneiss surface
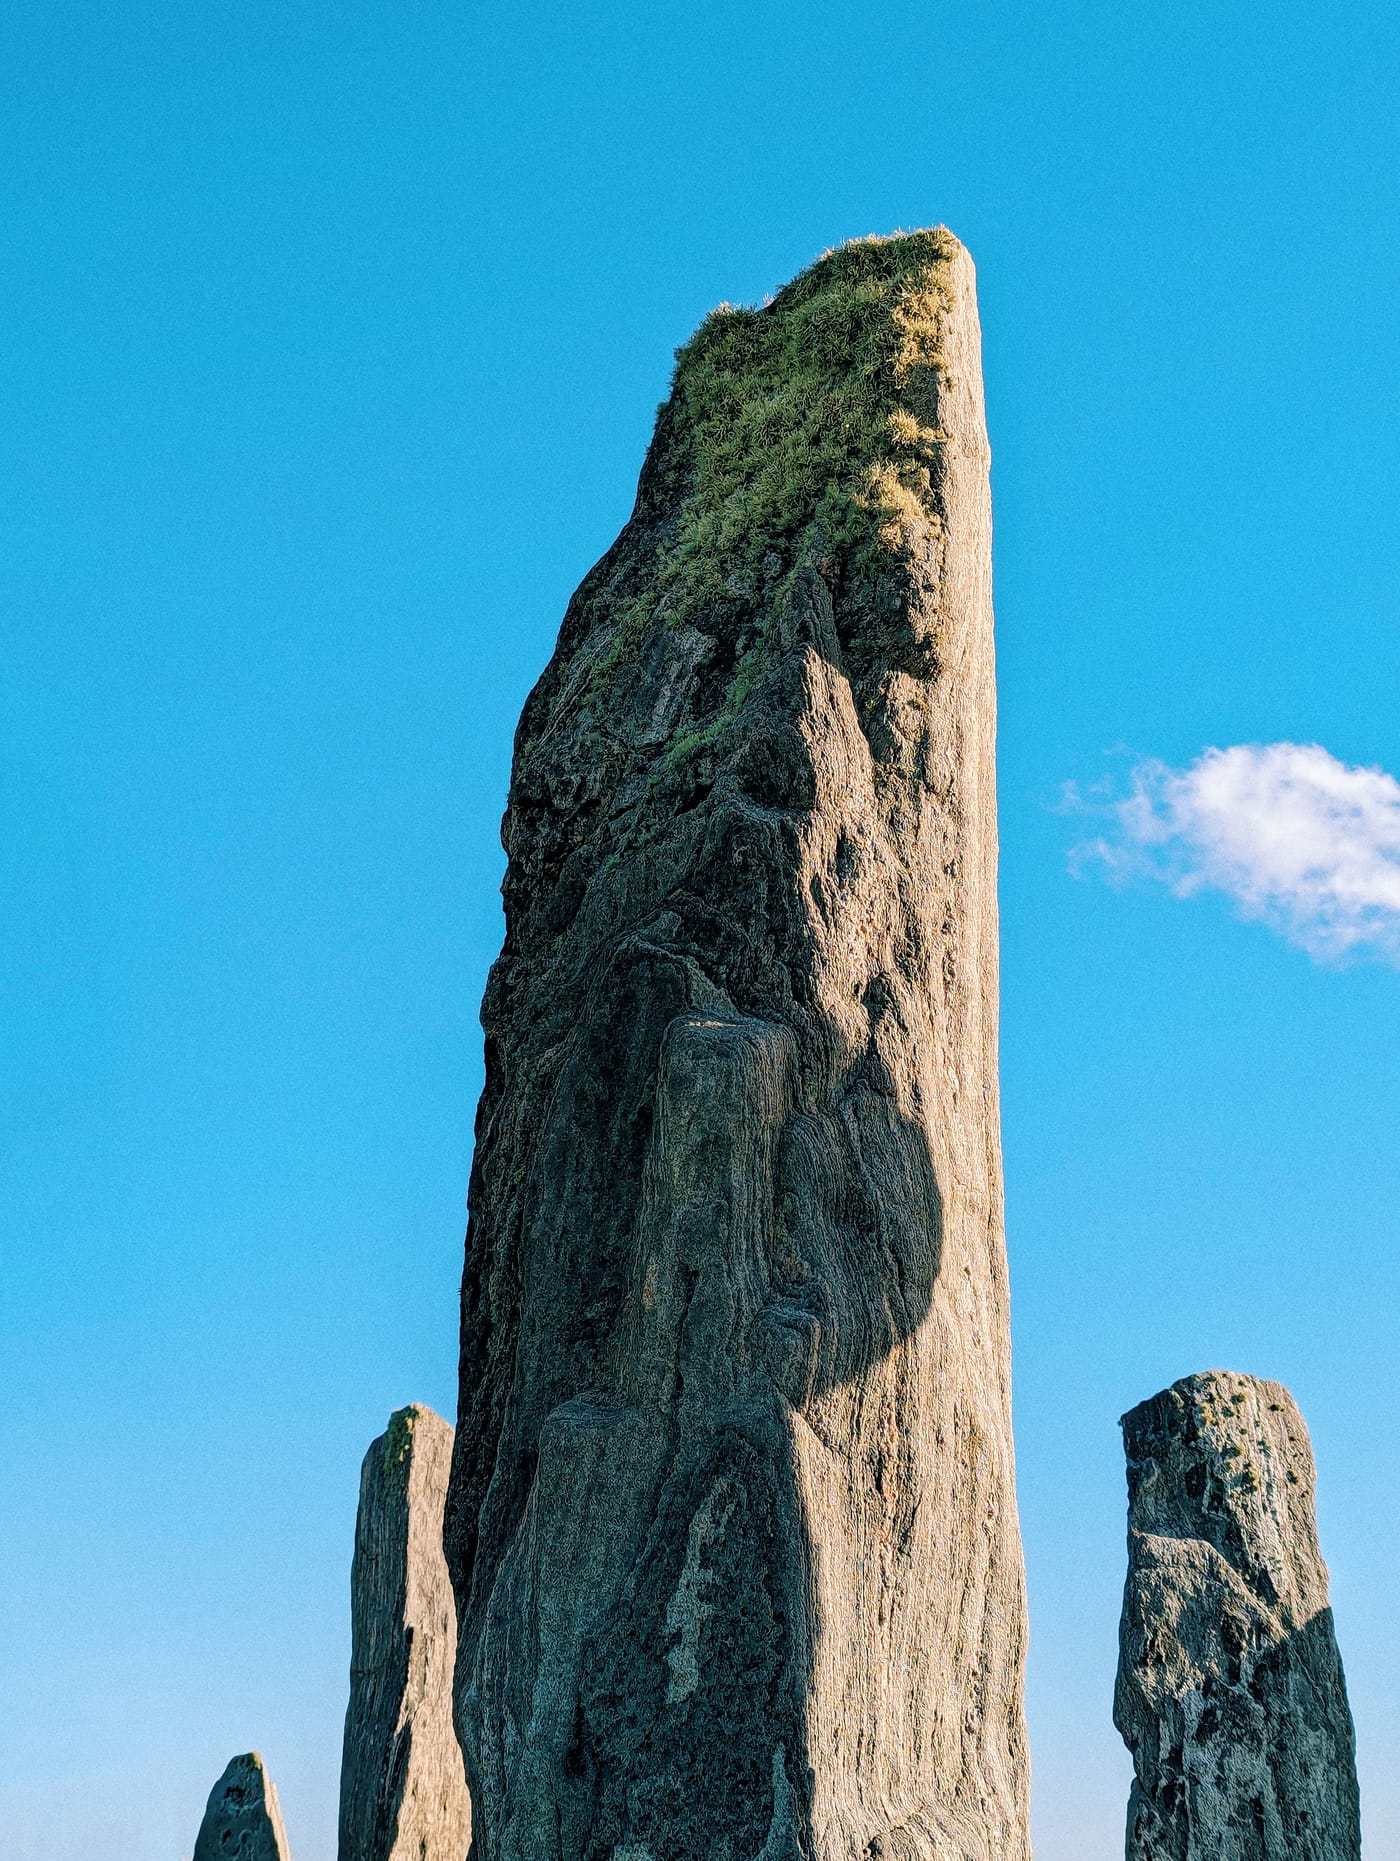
x: 732, y: 1520
x: 242, y: 1820
x: 403, y: 1791
x: 1230, y: 1690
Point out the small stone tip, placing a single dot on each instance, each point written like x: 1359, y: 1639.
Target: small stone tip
x: 1189, y: 1389
x: 1213, y: 1397
x: 396, y: 1442
x: 412, y: 1413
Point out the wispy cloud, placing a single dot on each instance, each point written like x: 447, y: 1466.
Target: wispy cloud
x: 1308, y: 844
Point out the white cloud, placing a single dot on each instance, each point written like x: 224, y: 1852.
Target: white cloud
x: 1308, y: 844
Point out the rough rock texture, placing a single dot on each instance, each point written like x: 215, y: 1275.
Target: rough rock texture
x: 732, y: 1519
x: 403, y: 1791
x: 242, y: 1820
x: 1230, y: 1691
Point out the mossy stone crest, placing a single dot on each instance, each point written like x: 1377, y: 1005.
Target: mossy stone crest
x: 801, y: 424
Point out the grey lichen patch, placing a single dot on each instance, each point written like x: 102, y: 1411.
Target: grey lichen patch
x: 681, y: 1748
x: 692, y: 1601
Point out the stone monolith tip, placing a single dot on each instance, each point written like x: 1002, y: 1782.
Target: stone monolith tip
x: 732, y: 1521
x: 403, y: 1792
x: 1230, y: 1691
x: 242, y: 1820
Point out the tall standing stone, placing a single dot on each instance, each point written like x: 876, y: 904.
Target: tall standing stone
x: 242, y: 1820
x: 732, y: 1520
x: 403, y: 1792
x: 1230, y: 1690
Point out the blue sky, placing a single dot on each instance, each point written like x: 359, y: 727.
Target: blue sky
x: 333, y: 341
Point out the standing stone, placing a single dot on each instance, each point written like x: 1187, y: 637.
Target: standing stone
x: 732, y: 1520
x: 242, y: 1820
x: 403, y: 1792
x: 1230, y: 1691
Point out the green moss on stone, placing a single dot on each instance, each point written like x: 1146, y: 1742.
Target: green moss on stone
x: 800, y: 419
x: 795, y: 433
x: 398, y: 1437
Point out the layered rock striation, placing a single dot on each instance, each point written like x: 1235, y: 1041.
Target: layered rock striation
x: 732, y: 1521
x: 242, y: 1820
x: 403, y: 1793
x: 1230, y: 1691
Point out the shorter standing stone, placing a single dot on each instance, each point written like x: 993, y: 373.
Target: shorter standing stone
x: 403, y: 1790
x: 242, y: 1820
x: 1230, y: 1690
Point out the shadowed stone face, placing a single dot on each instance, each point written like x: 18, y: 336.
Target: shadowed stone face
x: 403, y: 1793
x: 242, y: 1821
x: 1230, y: 1690
x: 732, y: 1521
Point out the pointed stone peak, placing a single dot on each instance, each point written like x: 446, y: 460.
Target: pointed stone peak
x: 243, y: 1820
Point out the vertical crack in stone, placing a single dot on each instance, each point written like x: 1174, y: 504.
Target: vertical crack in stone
x: 732, y: 1520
